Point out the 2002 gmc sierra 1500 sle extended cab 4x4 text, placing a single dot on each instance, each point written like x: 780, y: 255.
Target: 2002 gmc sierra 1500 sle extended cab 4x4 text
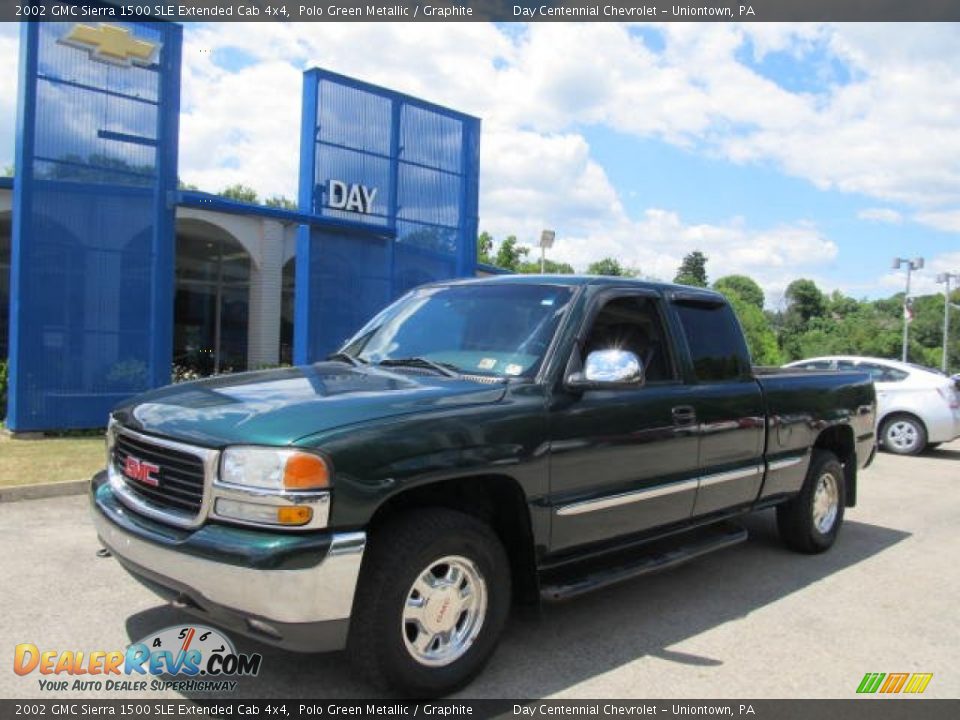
x: 478, y: 443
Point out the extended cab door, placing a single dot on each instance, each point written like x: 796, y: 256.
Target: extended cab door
x: 726, y: 399
x: 622, y: 460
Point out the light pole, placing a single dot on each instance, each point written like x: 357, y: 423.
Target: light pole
x: 945, y: 278
x: 546, y: 241
x: 915, y: 264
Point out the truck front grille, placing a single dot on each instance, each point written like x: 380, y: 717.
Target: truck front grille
x: 161, y: 478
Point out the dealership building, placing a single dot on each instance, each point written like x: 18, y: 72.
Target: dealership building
x: 112, y: 278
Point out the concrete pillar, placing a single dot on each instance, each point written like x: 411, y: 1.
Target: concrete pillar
x: 266, y: 276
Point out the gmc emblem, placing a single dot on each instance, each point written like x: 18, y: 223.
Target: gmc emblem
x: 137, y: 469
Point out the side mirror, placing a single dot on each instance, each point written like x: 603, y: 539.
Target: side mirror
x: 608, y: 369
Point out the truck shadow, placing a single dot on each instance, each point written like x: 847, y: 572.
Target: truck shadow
x: 943, y: 454
x: 574, y: 641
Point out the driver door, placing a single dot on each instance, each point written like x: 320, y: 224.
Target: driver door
x: 623, y: 460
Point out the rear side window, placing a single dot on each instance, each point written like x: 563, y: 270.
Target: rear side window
x: 881, y: 373
x: 716, y: 343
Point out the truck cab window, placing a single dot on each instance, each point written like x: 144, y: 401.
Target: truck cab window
x: 717, y: 347
x: 632, y: 323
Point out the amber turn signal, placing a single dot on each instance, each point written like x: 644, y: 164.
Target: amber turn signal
x: 304, y: 471
x: 294, y: 515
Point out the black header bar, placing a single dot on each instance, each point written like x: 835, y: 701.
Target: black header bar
x: 169, y: 708
x: 485, y: 10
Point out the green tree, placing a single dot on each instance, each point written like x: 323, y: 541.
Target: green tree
x: 805, y: 303
x: 279, y: 201
x: 840, y: 305
x: 607, y: 266
x: 181, y: 185
x: 485, y: 248
x: 7, y: 171
x: 240, y: 193
x: 551, y: 267
x: 510, y: 254
x: 746, y: 298
x: 759, y: 334
x: 744, y: 287
x: 693, y: 270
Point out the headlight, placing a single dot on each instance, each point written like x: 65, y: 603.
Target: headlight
x: 274, y: 469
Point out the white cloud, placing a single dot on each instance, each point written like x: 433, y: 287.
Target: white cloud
x: 9, y: 51
x: 948, y: 220
x: 657, y: 242
x: 888, y: 133
x: 881, y: 215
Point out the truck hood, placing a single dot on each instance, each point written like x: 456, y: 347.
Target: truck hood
x: 277, y: 407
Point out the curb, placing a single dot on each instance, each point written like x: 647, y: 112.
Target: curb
x: 43, y: 490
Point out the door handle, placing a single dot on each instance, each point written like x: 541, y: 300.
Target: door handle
x: 684, y: 415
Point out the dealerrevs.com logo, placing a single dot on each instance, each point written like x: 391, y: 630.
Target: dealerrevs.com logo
x: 198, y: 658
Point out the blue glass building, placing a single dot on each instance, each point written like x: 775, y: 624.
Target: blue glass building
x: 111, y: 278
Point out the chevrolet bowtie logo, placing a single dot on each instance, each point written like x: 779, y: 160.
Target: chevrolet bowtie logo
x: 111, y: 44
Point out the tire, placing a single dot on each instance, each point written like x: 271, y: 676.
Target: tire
x: 903, y: 434
x: 402, y: 637
x: 809, y: 523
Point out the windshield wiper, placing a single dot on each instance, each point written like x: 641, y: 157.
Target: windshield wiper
x: 346, y: 357
x: 442, y: 368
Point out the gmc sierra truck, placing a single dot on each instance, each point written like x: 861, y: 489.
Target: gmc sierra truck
x: 478, y: 444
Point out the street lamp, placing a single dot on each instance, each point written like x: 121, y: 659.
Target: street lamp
x: 546, y: 241
x: 915, y: 264
x: 945, y: 278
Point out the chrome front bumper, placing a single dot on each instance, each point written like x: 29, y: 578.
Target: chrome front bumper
x: 280, y: 606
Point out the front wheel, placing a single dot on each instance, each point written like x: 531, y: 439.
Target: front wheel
x: 433, y: 598
x: 904, y: 435
x: 809, y: 523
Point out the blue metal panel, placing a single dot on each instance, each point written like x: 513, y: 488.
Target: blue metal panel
x: 92, y: 249
x: 423, y: 162
x: 303, y: 320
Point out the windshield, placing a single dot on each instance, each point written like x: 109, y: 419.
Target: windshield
x: 497, y: 329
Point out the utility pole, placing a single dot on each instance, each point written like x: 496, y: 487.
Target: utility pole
x: 915, y: 264
x: 945, y: 278
x: 546, y: 241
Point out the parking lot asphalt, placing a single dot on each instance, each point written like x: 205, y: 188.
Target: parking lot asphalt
x: 753, y: 621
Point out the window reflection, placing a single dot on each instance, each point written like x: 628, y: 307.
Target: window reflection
x: 211, y: 306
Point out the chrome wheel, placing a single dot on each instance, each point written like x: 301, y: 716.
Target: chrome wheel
x: 444, y: 611
x: 826, y: 503
x: 902, y: 436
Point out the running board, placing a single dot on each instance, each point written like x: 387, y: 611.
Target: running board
x: 578, y: 578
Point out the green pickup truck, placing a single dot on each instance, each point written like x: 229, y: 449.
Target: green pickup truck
x: 478, y: 444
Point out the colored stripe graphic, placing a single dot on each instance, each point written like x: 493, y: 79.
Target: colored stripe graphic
x: 918, y: 683
x: 870, y: 682
x: 894, y: 683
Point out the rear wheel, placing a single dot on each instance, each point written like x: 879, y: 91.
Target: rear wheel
x: 903, y: 434
x: 432, y: 601
x: 809, y: 523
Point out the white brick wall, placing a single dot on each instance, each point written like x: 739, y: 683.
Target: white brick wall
x: 266, y: 275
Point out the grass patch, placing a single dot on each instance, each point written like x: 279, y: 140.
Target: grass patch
x: 28, y: 462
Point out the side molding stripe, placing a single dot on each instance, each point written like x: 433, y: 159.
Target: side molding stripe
x: 610, y: 501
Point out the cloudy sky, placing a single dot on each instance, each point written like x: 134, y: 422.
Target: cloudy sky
x: 780, y: 151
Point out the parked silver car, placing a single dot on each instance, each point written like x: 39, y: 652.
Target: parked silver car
x: 917, y: 408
